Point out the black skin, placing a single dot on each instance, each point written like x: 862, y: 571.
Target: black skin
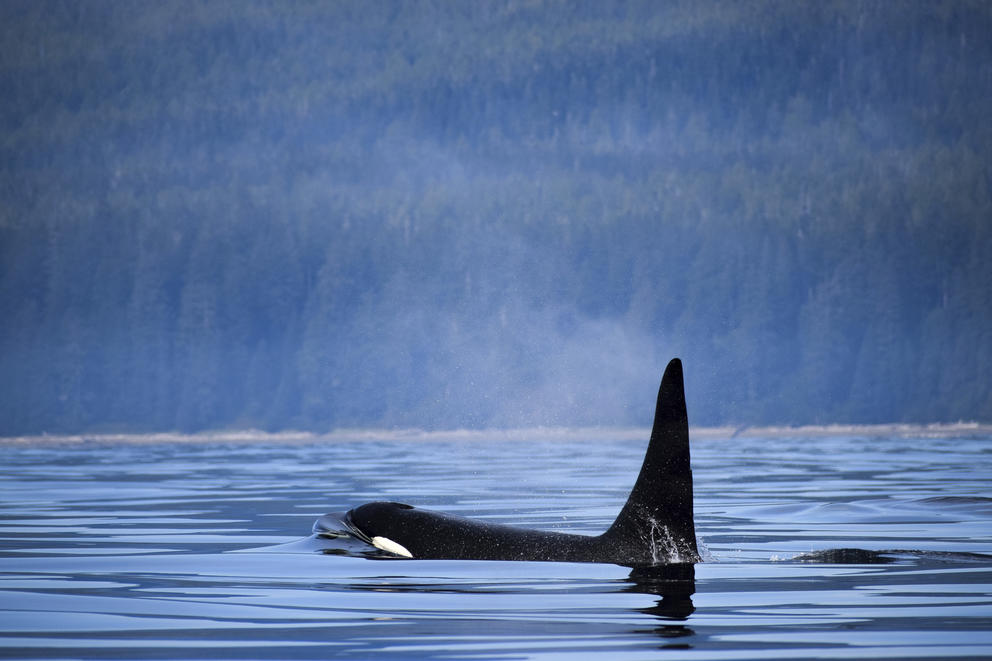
x: 427, y: 534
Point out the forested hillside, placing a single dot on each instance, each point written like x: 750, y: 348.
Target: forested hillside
x: 444, y: 214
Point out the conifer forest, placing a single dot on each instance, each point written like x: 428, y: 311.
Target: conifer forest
x: 440, y: 214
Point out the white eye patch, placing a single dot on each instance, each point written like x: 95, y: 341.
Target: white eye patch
x: 389, y: 545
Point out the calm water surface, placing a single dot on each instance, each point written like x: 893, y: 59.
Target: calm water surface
x: 200, y: 551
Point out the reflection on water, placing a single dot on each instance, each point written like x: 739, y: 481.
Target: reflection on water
x: 831, y: 547
x: 674, y: 584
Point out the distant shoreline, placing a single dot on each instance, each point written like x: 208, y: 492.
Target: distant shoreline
x: 935, y: 430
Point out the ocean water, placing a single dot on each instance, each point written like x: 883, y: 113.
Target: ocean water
x: 201, y: 550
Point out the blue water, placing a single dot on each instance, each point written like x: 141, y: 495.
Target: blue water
x: 191, y: 550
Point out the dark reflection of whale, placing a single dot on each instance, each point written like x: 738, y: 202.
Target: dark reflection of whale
x: 654, y: 527
x: 674, y: 584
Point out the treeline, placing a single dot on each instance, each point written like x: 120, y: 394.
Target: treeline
x: 446, y: 214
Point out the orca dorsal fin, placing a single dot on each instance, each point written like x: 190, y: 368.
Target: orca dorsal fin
x: 656, y: 524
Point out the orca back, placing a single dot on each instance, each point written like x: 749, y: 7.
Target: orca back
x: 656, y: 523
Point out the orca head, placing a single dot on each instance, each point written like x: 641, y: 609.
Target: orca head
x: 382, y: 523
x: 372, y: 519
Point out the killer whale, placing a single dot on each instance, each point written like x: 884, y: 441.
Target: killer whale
x: 654, y: 527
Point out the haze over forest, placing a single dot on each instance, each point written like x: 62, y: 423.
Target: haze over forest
x: 437, y: 214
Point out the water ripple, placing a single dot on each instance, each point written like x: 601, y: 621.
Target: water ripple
x: 201, y: 550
